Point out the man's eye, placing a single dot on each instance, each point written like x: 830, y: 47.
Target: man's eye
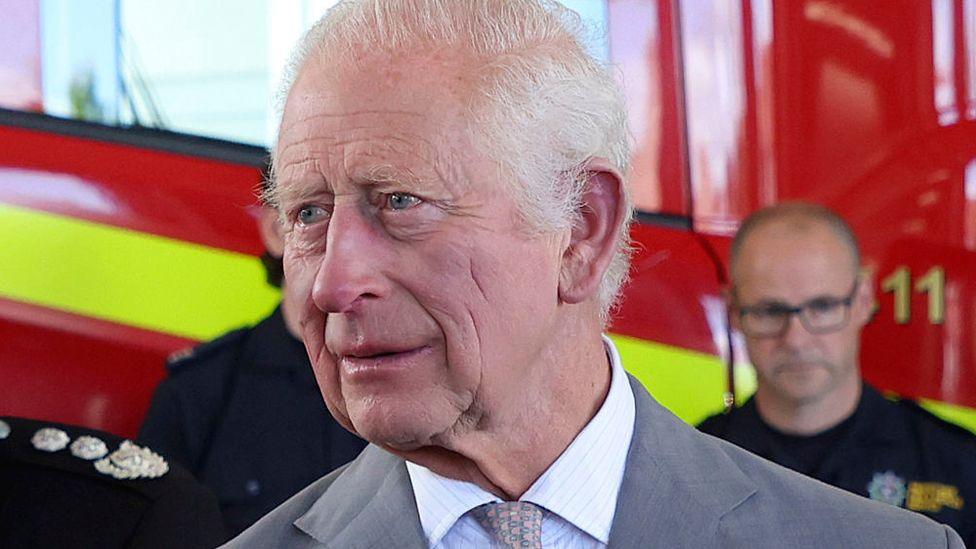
x: 309, y: 215
x: 770, y: 312
x: 401, y: 201
x: 822, y: 305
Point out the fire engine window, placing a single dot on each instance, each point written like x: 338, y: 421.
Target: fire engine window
x: 205, y: 68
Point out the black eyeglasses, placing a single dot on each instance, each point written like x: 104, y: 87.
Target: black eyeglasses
x: 819, y: 316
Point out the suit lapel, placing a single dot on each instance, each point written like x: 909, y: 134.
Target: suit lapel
x: 676, y: 485
x: 370, y: 505
x: 675, y: 489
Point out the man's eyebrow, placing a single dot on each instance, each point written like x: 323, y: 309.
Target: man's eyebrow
x: 300, y: 190
x: 770, y: 304
x: 777, y: 303
x: 309, y: 185
x: 284, y: 178
x: 386, y: 174
x: 824, y: 299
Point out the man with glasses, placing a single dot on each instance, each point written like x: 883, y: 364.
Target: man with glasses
x: 799, y: 299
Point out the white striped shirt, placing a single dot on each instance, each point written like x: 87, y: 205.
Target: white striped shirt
x: 578, y: 492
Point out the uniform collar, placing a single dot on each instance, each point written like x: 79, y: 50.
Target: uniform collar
x: 870, y: 419
x: 869, y: 427
x: 271, y: 346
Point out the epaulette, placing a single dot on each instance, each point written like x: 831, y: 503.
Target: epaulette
x: 84, y: 453
x: 920, y: 411
x: 184, y: 357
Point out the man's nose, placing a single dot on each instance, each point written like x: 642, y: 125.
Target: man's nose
x: 795, y: 333
x: 350, y: 270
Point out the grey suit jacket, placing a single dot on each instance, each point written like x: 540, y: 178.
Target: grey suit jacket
x: 681, y: 488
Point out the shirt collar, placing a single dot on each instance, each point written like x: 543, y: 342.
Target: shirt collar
x: 581, y: 486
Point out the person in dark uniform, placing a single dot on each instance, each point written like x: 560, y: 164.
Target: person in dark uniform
x: 244, y: 412
x: 800, y: 301
x: 67, y: 486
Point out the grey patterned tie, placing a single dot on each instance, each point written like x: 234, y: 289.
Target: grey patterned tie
x: 512, y: 523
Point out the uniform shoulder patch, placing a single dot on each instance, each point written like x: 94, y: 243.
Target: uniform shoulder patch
x: 964, y: 436
x: 931, y: 497
x: 131, y: 461
x: 183, y: 358
x: 887, y: 487
x: 77, y: 450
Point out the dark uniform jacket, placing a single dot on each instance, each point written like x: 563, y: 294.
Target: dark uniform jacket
x: 894, y: 452
x: 245, y: 415
x: 57, y: 499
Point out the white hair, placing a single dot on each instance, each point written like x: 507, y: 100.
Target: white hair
x: 542, y: 104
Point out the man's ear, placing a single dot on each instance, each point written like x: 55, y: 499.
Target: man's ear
x: 728, y: 294
x: 864, y: 305
x: 593, y: 239
x: 272, y: 232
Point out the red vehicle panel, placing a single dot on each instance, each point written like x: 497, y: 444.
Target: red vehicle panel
x: 178, y: 196
x: 123, y: 184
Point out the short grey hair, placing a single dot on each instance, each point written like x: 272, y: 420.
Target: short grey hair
x: 542, y: 104
x: 800, y: 215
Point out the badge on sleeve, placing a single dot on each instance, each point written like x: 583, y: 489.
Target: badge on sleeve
x: 131, y: 461
x: 931, y: 497
x: 4, y: 429
x: 50, y: 439
x: 888, y: 488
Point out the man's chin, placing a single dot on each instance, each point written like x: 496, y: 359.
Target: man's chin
x: 798, y: 386
x: 806, y: 393
x: 802, y: 376
x: 396, y: 436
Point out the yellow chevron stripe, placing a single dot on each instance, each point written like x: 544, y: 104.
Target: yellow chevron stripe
x: 962, y: 416
x: 195, y: 291
x: 691, y: 384
x: 128, y: 277
x: 688, y: 383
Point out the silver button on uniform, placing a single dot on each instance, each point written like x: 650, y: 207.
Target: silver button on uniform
x: 50, y: 439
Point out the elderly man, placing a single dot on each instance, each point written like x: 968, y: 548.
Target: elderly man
x: 451, y: 174
x: 798, y: 298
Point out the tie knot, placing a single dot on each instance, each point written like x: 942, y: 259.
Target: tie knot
x: 512, y: 523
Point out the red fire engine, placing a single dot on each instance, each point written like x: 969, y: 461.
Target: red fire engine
x: 122, y: 245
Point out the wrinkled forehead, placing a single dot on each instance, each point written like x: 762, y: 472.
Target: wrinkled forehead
x: 413, y: 108
x: 382, y: 81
